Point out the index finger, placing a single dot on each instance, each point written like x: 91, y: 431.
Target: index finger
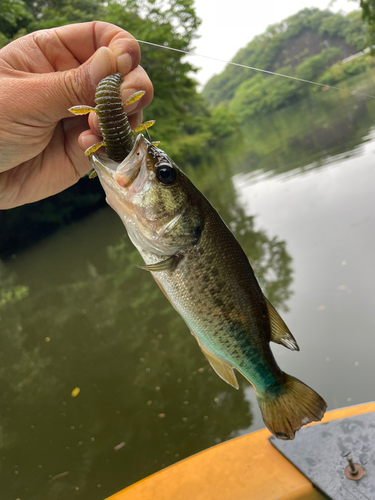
x: 82, y: 40
x: 67, y: 47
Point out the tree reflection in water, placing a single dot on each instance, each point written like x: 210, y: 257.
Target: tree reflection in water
x: 145, y: 387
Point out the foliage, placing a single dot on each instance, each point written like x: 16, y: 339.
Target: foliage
x: 304, y: 45
x: 223, y: 121
x: 51, y: 14
x: 14, y: 16
x: 311, y: 67
x: 261, y: 94
x: 368, y: 11
x: 342, y: 71
x: 368, y: 14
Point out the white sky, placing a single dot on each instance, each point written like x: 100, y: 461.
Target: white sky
x: 231, y: 24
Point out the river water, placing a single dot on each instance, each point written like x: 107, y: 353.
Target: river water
x: 101, y: 383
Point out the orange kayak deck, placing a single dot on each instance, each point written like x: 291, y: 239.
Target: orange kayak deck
x: 244, y: 468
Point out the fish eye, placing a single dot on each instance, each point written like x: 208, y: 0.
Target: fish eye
x: 165, y: 173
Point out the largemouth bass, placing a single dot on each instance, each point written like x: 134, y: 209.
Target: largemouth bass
x: 197, y: 263
x: 203, y: 271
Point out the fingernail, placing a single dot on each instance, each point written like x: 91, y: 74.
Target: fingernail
x: 88, y: 140
x: 124, y: 63
x: 100, y: 66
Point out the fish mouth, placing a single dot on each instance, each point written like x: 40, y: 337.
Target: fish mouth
x: 117, y: 176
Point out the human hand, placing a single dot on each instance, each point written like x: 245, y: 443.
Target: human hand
x: 41, y: 76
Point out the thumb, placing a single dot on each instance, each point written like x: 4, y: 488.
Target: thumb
x: 64, y: 89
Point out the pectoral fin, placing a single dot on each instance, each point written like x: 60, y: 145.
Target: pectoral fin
x: 280, y: 333
x: 224, y: 370
x: 165, y: 265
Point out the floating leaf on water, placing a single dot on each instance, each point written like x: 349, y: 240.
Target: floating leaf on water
x: 75, y: 392
x: 119, y: 446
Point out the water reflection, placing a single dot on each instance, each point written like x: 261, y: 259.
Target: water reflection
x: 142, y: 380
x: 306, y: 135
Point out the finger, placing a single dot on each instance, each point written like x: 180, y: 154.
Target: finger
x: 94, y: 124
x: 48, y: 97
x: 77, y: 86
x: 73, y: 128
x: 67, y: 47
x: 88, y: 139
x: 136, y: 119
x: 134, y: 81
x: 50, y: 94
x: 97, y: 34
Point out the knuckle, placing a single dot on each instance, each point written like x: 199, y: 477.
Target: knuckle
x: 73, y: 88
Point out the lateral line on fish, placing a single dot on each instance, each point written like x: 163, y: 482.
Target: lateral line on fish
x: 353, y: 92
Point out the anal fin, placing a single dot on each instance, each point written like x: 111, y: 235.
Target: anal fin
x: 280, y: 333
x: 224, y: 370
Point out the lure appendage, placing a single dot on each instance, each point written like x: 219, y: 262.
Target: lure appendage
x: 118, y: 137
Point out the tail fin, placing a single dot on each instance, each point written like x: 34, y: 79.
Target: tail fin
x: 288, y: 407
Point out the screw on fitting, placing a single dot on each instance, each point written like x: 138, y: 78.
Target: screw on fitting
x: 354, y: 471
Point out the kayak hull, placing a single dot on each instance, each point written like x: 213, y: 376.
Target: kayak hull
x: 247, y: 467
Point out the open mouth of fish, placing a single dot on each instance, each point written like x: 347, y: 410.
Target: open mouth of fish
x: 117, y: 176
x: 126, y: 180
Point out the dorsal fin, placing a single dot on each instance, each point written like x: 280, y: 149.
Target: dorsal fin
x: 280, y: 333
x: 224, y: 370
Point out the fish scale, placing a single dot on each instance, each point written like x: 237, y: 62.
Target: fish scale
x: 223, y: 305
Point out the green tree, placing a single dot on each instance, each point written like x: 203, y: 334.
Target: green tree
x: 304, y: 45
x: 14, y: 17
x: 368, y: 11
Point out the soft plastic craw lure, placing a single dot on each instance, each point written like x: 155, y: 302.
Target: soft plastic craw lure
x: 118, y: 137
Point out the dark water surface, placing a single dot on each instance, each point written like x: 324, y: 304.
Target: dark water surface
x: 298, y: 190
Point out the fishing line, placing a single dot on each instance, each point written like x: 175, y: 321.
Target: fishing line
x: 353, y: 92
